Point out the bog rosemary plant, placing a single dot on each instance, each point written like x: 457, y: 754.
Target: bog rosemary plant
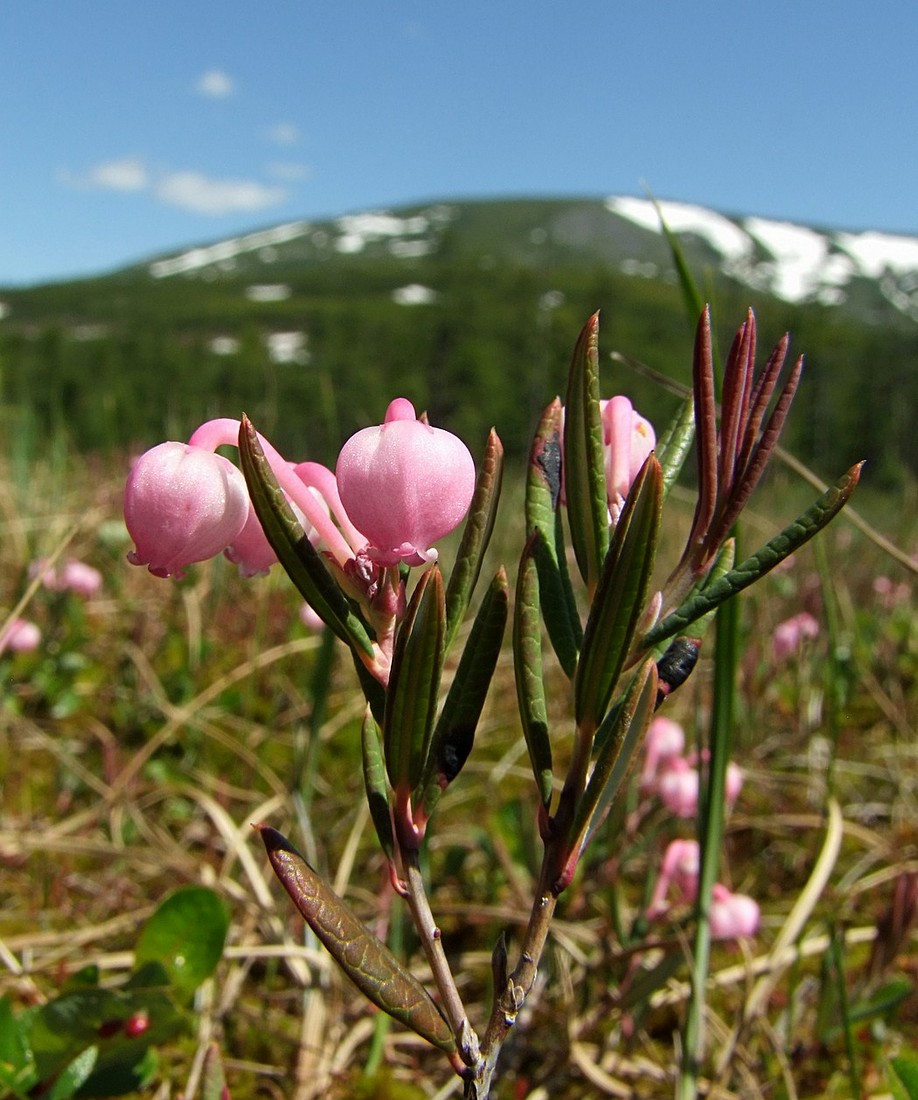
x: 357, y: 545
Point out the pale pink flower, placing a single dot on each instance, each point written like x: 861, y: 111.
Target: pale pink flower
x: 732, y: 916
x: 628, y: 439
x: 788, y: 636
x: 182, y: 504
x: 20, y: 636
x: 404, y: 485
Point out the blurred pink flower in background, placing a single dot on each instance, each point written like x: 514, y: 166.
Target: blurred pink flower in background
x: 679, y: 871
x: 732, y: 916
x: 309, y: 618
x: 20, y: 636
x: 788, y: 636
x: 665, y: 740
x: 73, y: 576
x: 677, y: 787
x: 890, y: 594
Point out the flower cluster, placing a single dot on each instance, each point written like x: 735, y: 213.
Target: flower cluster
x: 673, y: 777
x: 397, y: 489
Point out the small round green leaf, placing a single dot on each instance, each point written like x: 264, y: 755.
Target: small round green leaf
x: 185, y: 936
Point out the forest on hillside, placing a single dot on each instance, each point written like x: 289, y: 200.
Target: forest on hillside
x: 117, y: 363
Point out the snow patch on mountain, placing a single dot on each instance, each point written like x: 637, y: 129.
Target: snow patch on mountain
x: 792, y: 262
x: 223, y: 251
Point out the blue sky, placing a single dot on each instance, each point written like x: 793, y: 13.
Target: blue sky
x: 128, y: 129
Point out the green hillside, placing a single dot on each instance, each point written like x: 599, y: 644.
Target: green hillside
x: 471, y: 313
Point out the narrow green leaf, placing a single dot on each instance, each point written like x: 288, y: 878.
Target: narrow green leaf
x: 543, y: 494
x: 185, y: 935
x: 414, y: 682
x: 619, y: 599
x: 620, y: 743
x: 527, y: 664
x: 299, y: 558
x: 795, y: 535
x: 454, y: 733
x: 674, y: 444
x: 367, y: 961
x: 584, y: 467
x: 379, y: 792
x: 475, y: 537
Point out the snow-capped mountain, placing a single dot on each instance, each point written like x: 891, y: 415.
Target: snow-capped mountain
x: 794, y: 263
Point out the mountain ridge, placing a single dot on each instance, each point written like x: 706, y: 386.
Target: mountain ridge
x: 790, y: 261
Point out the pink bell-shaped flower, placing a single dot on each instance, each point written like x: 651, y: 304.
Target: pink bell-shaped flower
x: 733, y: 916
x: 404, y: 485
x: 627, y: 441
x: 182, y: 504
x: 20, y: 636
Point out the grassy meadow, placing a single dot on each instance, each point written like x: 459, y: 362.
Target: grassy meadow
x: 158, y: 720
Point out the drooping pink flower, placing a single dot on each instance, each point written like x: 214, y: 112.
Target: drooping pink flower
x: 250, y: 549
x: 182, y: 504
x: 20, y: 636
x: 627, y: 441
x: 789, y: 635
x: 679, y: 871
x: 732, y: 916
x: 664, y: 742
x: 404, y: 485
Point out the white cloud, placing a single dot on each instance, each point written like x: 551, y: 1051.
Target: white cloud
x: 215, y: 84
x: 284, y: 133
x: 197, y: 192
x: 127, y: 174
x: 289, y: 171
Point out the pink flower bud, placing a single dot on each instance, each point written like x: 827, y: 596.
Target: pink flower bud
x: 665, y: 741
x: 732, y: 916
x: 182, y: 504
x: 789, y: 636
x: 20, y: 636
x: 404, y: 485
x: 628, y: 439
